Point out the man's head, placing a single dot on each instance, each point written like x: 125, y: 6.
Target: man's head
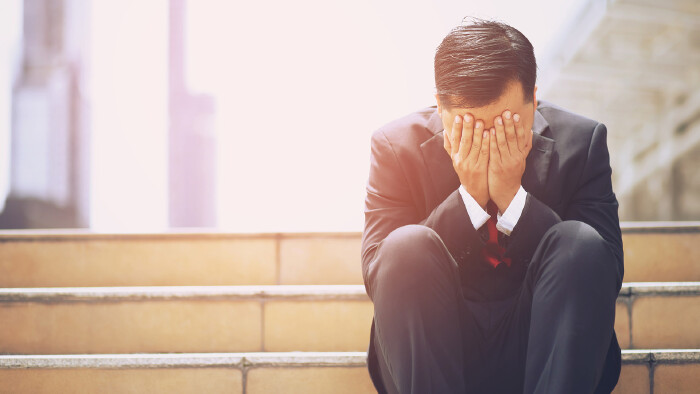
x: 483, y: 68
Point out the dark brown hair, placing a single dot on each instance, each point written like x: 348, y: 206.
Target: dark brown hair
x: 477, y: 59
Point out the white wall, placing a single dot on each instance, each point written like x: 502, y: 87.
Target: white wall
x: 301, y: 85
x: 128, y: 95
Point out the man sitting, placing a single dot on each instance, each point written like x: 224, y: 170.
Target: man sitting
x: 492, y: 249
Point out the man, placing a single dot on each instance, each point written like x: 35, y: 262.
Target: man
x: 492, y: 249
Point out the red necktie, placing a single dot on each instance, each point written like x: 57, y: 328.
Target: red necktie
x: 492, y: 251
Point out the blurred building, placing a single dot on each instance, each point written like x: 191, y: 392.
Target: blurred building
x: 192, y: 159
x: 49, y: 139
x: 52, y: 153
x: 635, y: 65
x: 632, y: 64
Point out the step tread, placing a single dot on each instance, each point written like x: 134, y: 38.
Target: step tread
x: 275, y: 359
x: 65, y: 234
x: 63, y: 258
x: 84, y: 234
x: 295, y: 292
x: 660, y: 227
x: 263, y: 292
x: 660, y: 288
x: 175, y: 360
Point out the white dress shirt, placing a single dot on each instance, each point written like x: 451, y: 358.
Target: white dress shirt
x: 506, y: 221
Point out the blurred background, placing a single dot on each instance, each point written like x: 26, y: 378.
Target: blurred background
x: 256, y: 116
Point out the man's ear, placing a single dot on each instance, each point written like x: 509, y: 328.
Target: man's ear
x: 534, y: 96
x: 439, y: 109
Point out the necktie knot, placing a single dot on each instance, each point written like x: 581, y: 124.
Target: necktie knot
x: 491, y: 208
x: 492, y: 252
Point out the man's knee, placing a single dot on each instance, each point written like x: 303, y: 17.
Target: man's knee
x: 410, y: 253
x: 576, y: 233
x: 581, y: 253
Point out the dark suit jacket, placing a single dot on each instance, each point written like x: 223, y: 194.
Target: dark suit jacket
x: 412, y: 181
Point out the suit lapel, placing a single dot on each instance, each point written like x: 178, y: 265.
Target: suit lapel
x: 442, y: 174
x: 537, y: 164
x: 439, y: 164
x: 445, y: 179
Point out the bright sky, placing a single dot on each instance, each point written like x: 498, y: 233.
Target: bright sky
x: 299, y: 88
x: 301, y: 85
x: 128, y: 95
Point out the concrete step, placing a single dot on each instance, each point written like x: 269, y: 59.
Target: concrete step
x: 654, y: 251
x: 660, y: 370
x: 184, y: 319
x: 270, y: 318
x: 249, y: 373
x: 73, y: 258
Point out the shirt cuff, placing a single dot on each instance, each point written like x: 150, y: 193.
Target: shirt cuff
x: 477, y: 214
x: 506, y: 222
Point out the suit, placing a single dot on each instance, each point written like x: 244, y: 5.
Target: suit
x: 567, y: 178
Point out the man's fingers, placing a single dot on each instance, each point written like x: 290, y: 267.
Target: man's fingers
x: 467, y: 136
x: 456, y: 134
x: 500, y: 128
x: 494, y: 154
x: 520, y: 132
x: 476, y: 141
x: 501, y: 136
x: 446, y: 142
x: 484, y: 154
x: 509, y: 126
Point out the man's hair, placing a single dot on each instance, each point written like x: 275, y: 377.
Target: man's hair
x: 476, y: 61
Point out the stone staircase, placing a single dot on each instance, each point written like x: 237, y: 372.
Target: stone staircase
x: 206, y: 312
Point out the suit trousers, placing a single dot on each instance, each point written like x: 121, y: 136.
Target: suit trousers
x: 553, y: 333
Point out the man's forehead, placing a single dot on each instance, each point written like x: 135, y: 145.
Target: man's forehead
x: 489, y: 112
x: 512, y: 99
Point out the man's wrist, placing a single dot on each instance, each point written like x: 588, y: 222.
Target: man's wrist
x: 477, y: 214
x: 510, y: 217
x: 481, y: 201
x: 504, y: 203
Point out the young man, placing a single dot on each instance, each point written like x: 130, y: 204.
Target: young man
x: 492, y: 249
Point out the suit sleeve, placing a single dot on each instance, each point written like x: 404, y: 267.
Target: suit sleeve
x: 593, y: 202
x: 389, y: 205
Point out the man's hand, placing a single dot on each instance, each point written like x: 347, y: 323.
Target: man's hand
x: 468, y: 146
x: 510, y: 145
